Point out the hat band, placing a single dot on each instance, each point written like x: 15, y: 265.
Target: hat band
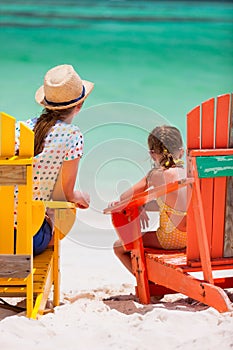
x: 67, y: 103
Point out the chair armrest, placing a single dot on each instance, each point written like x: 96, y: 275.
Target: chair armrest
x: 148, y: 195
x: 65, y: 215
x: 210, y: 152
x: 59, y: 205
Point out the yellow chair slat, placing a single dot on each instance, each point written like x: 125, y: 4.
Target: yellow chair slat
x: 44, y: 257
x: 15, y: 160
x: 38, y: 214
x: 7, y: 129
x: 24, y: 216
x: 13, y: 291
x: 20, y: 291
x: 7, y: 220
x: 24, y: 231
x: 26, y: 141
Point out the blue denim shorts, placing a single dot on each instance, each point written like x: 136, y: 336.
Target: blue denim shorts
x: 42, y: 238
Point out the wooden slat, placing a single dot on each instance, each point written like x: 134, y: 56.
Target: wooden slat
x: 211, y: 152
x: 221, y: 141
x: 207, y: 124
x: 59, y: 205
x: 192, y: 243
x: 215, y: 167
x: 7, y: 149
x: 17, y: 291
x: 193, y: 129
x: 38, y: 215
x: 193, y: 142
x: 222, y: 121
x: 7, y: 127
x: 228, y: 235
x: 207, y: 185
x: 12, y: 175
x: 24, y: 216
x: 26, y: 141
x: 45, y: 257
x: 15, y: 266
x: 6, y: 219
x: 218, y: 217
x: 148, y: 196
x: 202, y: 235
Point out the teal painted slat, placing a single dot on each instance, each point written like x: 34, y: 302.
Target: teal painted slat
x: 215, y: 166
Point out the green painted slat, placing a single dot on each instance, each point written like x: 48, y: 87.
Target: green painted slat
x: 215, y: 166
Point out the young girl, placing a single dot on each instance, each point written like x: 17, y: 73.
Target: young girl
x: 58, y: 143
x: 166, y: 150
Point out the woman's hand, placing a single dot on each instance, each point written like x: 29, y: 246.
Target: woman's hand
x: 82, y: 200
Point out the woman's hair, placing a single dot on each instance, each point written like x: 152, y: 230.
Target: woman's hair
x: 44, y: 123
x: 167, y: 141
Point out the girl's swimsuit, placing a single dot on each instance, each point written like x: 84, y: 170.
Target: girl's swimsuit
x: 169, y: 236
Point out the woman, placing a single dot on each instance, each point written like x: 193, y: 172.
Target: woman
x: 58, y: 143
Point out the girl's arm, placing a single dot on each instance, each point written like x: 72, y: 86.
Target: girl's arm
x: 137, y: 188
x: 65, y: 185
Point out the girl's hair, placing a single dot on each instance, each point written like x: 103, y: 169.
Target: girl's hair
x: 44, y: 123
x: 167, y: 141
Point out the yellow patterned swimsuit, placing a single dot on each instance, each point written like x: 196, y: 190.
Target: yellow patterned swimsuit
x: 169, y: 236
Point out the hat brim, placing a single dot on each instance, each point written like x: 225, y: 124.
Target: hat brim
x: 40, y: 95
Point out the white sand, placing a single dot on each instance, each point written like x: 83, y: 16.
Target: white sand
x: 91, y: 323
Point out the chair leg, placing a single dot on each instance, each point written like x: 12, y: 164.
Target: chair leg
x: 201, y: 228
x: 29, y: 301
x: 139, y: 270
x: 56, y: 268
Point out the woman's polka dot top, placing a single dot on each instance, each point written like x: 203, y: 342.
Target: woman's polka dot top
x: 64, y: 142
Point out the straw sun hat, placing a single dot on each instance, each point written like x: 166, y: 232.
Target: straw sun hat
x: 63, y: 88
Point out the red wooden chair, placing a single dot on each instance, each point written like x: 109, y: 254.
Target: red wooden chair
x: 209, y: 217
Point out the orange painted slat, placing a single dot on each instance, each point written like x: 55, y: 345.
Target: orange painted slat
x: 192, y: 243
x: 212, y: 152
x: 207, y: 124
x: 193, y: 129
x: 218, y: 217
x: 228, y: 247
x: 222, y: 121
x: 231, y: 124
x: 207, y: 195
x: 221, y: 141
x: 193, y: 142
x: 202, y: 236
x: 207, y: 141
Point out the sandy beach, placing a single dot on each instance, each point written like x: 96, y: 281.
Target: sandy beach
x: 144, y: 57
x: 99, y: 312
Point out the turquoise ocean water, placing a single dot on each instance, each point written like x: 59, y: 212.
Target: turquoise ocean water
x: 151, y: 62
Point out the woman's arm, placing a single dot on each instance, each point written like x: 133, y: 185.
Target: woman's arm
x: 65, y: 185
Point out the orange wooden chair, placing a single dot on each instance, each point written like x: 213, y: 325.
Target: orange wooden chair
x: 209, y: 217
